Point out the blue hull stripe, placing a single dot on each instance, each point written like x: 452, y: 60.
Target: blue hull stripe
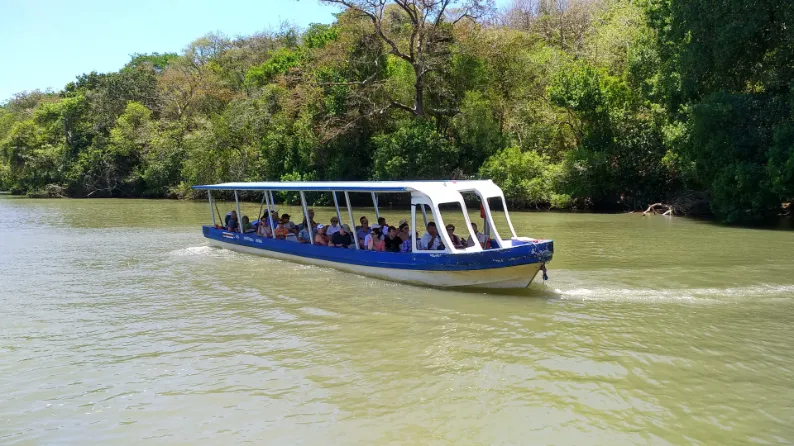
x: 495, y: 258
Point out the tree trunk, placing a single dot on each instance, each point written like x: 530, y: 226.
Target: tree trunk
x: 419, y: 106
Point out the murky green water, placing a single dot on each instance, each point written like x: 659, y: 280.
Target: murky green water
x: 119, y: 325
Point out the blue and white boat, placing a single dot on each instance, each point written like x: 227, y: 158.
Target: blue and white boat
x: 506, y: 261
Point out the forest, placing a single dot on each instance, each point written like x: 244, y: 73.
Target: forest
x: 602, y: 105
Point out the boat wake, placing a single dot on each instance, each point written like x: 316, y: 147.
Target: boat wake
x: 567, y: 285
x: 694, y: 295
x: 200, y: 251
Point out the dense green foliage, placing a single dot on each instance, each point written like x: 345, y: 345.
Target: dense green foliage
x: 603, y: 104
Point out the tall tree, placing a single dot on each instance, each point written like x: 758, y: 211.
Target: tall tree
x: 415, y: 31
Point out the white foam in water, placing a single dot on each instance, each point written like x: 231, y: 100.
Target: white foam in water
x: 700, y: 295
x: 198, y: 251
x: 572, y: 286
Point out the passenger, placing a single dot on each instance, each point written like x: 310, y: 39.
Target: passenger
x: 392, y: 241
x: 405, y: 231
x: 311, y: 218
x: 482, y: 239
x: 230, y: 215
x: 405, y: 235
x: 291, y: 227
x: 374, y: 240
x: 368, y: 237
x: 231, y: 222
x: 304, y: 236
x: 333, y: 228
x: 342, y: 238
x: 247, y: 226
x: 384, y: 227
x: 281, y: 230
x: 320, y: 238
x: 408, y: 244
x: 362, y: 232
x: 457, y: 243
x: 263, y: 228
x: 431, y: 240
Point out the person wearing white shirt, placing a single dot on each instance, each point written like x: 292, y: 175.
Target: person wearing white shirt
x: 431, y: 240
x: 482, y: 239
x: 333, y: 228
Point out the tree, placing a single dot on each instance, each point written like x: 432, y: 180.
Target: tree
x: 726, y: 70
x: 416, y: 32
x: 415, y: 151
x: 527, y: 178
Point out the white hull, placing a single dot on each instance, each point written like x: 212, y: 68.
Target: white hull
x: 510, y: 277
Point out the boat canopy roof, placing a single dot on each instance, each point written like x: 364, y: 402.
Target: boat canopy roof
x: 431, y: 188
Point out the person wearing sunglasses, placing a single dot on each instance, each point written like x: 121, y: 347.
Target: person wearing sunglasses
x: 333, y: 228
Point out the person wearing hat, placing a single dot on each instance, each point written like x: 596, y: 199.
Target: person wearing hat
x: 342, y: 238
x: 320, y: 239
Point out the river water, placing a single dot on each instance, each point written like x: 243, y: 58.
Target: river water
x: 120, y: 325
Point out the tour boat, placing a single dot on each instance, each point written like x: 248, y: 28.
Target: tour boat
x: 505, y: 260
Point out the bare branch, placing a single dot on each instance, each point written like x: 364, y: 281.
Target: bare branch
x: 376, y: 17
x: 444, y: 5
x: 411, y: 11
x: 395, y: 104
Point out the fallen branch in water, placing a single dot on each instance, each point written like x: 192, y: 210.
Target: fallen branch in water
x: 659, y: 208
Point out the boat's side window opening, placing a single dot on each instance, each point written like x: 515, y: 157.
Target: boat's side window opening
x: 454, y: 224
x: 499, y: 218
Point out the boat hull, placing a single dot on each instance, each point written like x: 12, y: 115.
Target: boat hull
x: 510, y: 277
x: 513, y: 267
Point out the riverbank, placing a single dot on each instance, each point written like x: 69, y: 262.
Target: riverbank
x: 784, y: 222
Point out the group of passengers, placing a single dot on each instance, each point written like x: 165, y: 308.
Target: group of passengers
x: 381, y: 237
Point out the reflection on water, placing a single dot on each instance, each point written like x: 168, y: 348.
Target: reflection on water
x: 119, y: 324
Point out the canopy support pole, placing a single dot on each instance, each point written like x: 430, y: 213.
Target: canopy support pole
x: 375, y: 202
x: 336, y: 204
x: 350, y: 214
x: 414, y: 239
x: 424, y: 214
x: 270, y: 215
x: 272, y: 200
x: 239, y: 214
x: 306, y: 216
x: 212, y: 211
x: 262, y: 205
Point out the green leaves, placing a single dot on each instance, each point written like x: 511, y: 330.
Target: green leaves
x: 280, y: 62
x: 527, y: 178
x: 414, y: 151
x: 726, y: 72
